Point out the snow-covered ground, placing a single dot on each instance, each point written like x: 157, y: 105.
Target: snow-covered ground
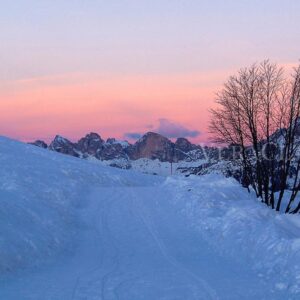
x: 72, y: 229
x: 151, y: 166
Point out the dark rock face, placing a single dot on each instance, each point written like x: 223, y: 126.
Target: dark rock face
x: 62, y: 145
x: 91, y: 144
x: 40, y: 144
x: 184, y: 145
x: 112, y: 151
x: 111, y: 141
x: 153, y: 146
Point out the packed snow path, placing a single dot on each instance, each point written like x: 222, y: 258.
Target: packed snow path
x: 137, y: 245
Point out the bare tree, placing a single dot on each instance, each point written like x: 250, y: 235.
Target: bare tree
x: 291, y: 143
x: 258, y: 109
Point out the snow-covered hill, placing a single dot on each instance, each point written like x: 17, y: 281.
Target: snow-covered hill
x: 74, y: 229
x: 41, y: 192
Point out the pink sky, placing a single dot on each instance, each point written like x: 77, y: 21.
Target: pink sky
x: 75, y: 104
x: 119, y: 106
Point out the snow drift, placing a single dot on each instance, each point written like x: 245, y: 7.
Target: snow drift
x: 40, y: 193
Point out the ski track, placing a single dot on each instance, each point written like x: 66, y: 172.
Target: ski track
x: 125, y: 254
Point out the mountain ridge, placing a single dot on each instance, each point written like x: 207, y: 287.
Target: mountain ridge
x: 151, y: 145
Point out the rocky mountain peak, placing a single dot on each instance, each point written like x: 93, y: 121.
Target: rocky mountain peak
x: 90, y: 144
x: 184, y: 145
x: 154, y: 146
x: 39, y: 143
x: 113, y: 141
x: 63, y: 145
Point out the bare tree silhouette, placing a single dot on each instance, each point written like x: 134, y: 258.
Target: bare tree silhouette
x: 258, y: 110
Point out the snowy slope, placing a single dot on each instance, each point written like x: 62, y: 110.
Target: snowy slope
x: 40, y: 192
x: 73, y: 229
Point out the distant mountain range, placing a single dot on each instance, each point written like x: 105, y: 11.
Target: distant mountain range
x: 151, y: 145
x: 152, y: 153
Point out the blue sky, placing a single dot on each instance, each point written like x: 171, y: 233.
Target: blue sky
x: 48, y: 37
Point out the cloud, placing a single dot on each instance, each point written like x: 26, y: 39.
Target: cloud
x: 175, y: 130
x: 166, y: 128
x: 132, y: 135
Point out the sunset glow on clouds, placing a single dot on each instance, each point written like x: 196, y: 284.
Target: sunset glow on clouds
x: 122, y: 68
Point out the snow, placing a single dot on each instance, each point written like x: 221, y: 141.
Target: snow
x: 124, y: 144
x: 150, y: 166
x: 61, y: 139
x: 240, y: 227
x: 73, y: 229
x: 39, y: 192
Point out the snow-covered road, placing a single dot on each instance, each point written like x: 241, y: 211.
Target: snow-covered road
x: 72, y: 229
x: 136, y: 244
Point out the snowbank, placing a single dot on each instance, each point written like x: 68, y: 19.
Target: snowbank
x: 236, y: 224
x: 40, y: 193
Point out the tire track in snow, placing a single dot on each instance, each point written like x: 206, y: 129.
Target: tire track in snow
x: 116, y: 256
x: 82, y: 285
x: 210, y: 293
x: 95, y: 283
x: 90, y: 284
